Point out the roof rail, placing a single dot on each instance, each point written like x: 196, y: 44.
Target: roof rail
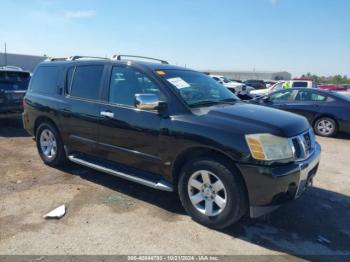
x: 119, y: 57
x: 77, y: 57
x: 56, y: 59
x: 73, y: 58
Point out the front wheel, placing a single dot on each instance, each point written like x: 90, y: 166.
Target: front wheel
x: 212, y: 194
x: 325, y: 126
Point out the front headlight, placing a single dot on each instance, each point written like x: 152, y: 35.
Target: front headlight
x: 269, y: 147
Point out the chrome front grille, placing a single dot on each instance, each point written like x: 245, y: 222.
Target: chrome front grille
x: 303, y: 145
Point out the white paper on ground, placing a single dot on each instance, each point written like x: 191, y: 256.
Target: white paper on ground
x: 178, y: 82
x: 56, y: 213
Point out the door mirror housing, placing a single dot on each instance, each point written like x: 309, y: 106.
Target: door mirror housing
x: 147, y: 101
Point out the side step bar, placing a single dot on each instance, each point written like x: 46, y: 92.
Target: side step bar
x: 160, y: 184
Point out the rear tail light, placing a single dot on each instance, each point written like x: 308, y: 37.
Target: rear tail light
x: 24, y: 104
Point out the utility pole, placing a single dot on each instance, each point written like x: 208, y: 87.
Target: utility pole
x: 5, y: 55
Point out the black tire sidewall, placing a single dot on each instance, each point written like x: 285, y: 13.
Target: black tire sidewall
x: 235, y: 207
x: 330, y: 120
x: 60, y: 155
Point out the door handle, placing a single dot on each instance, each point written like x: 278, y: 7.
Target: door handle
x: 107, y: 114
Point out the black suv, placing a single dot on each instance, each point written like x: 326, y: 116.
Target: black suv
x: 173, y: 129
x: 13, y: 86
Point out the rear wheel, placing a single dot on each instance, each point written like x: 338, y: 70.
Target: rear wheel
x: 325, y: 126
x: 50, y: 145
x: 212, y: 194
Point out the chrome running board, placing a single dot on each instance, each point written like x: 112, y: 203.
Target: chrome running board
x: 157, y: 184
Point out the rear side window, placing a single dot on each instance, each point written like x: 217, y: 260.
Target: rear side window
x: 309, y: 96
x: 300, y: 84
x: 45, y: 80
x: 86, y: 81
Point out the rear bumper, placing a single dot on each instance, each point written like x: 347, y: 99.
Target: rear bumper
x: 269, y: 187
x: 12, y: 110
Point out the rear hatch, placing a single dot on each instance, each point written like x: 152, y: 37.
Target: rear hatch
x: 13, y: 86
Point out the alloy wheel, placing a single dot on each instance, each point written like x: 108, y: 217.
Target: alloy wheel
x: 48, y: 143
x: 325, y: 127
x: 207, y: 193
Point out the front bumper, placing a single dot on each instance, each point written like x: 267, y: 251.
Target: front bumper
x: 269, y: 187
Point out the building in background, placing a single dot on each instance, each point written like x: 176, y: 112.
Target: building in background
x: 256, y: 75
x: 26, y: 62
x: 29, y: 62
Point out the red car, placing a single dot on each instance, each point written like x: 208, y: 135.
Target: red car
x: 332, y: 87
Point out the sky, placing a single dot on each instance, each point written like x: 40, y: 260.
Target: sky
x: 298, y: 36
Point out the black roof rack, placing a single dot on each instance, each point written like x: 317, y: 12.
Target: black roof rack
x: 119, y: 57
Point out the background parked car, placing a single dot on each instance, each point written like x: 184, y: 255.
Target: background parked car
x: 333, y: 87
x: 257, y: 84
x: 237, y: 88
x: 13, y: 86
x: 328, y: 112
x: 270, y: 83
x: 303, y: 83
x: 266, y: 91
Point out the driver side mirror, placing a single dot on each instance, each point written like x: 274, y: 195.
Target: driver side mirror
x: 147, y: 101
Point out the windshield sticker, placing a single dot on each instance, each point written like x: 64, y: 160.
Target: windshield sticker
x: 178, y: 82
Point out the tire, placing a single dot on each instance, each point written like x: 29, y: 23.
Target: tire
x: 326, y: 127
x: 50, y: 145
x: 192, y: 186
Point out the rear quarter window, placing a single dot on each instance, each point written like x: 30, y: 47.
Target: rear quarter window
x: 45, y: 80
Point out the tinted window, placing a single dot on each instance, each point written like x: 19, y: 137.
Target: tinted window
x: 282, y: 95
x: 309, y: 96
x: 126, y: 82
x: 86, y: 81
x: 14, y: 80
x: 45, y: 80
x: 300, y: 84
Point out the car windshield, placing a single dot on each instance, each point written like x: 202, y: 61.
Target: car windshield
x: 14, y: 80
x: 197, y: 89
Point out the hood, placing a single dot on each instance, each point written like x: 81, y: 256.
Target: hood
x: 231, y: 84
x: 243, y: 118
x: 260, y: 91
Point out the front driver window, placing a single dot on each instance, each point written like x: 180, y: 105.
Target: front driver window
x: 126, y: 82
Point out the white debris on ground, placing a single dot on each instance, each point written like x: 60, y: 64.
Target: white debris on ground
x: 56, y: 213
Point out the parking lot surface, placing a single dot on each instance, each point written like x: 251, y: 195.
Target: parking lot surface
x: 108, y: 215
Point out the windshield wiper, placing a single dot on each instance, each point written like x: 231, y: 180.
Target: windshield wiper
x: 214, y: 102
x: 228, y: 100
x: 205, y: 103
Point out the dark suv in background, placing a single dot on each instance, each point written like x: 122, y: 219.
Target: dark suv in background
x: 257, y: 84
x: 172, y: 129
x: 13, y: 86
